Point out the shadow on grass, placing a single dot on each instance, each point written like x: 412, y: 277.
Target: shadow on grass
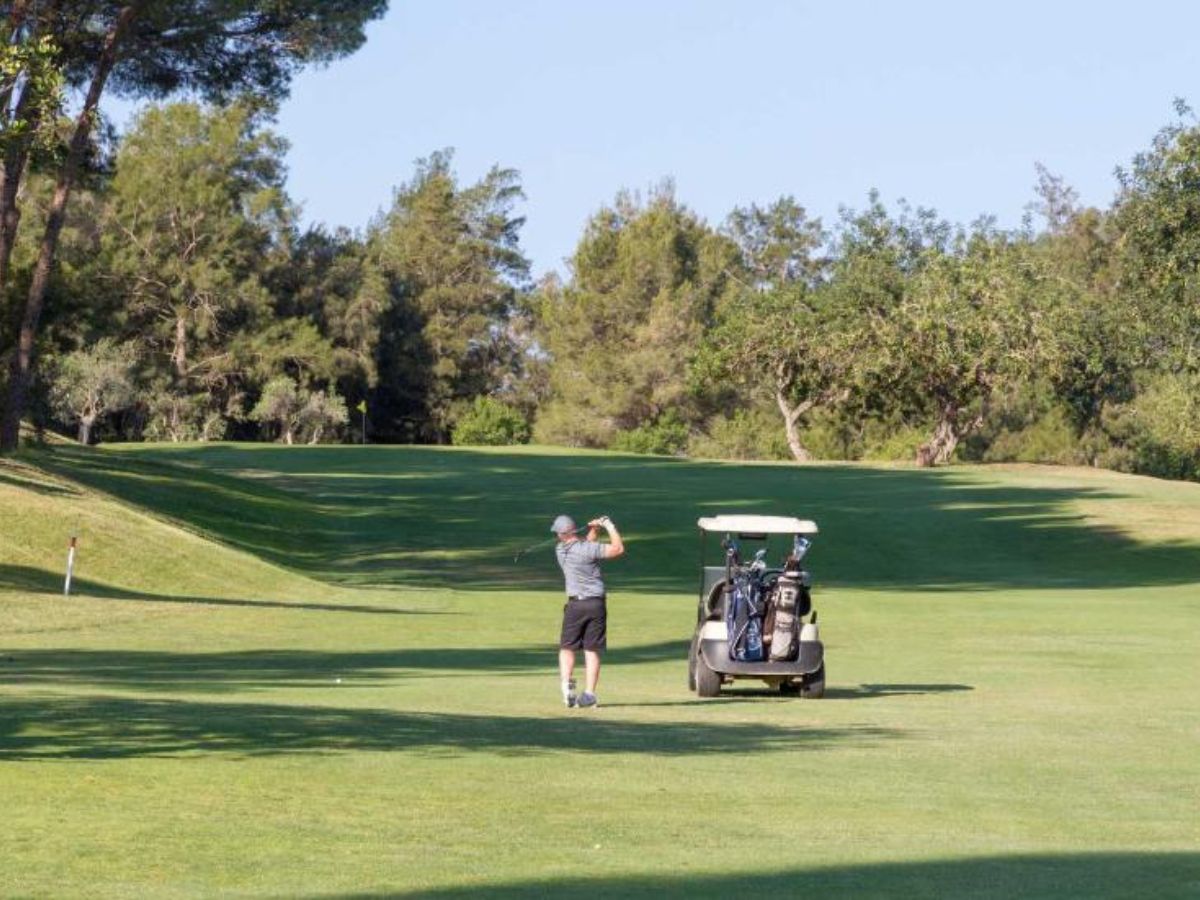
x: 758, y: 694
x: 39, y: 581
x: 117, y: 728
x: 868, y: 691
x: 242, y: 670
x: 416, y: 515
x: 1063, y: 876
x: 19, y: 476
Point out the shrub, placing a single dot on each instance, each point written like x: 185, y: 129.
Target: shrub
x: 1160, y: 428
x: 1049, y: 439
x: 490, y: 422
x: 832, y: 434
x: 668, y: 436
x: 570, y: 426
x: 747, y: 434
x: 897, y: 443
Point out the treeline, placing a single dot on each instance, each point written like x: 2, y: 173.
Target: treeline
x: 142, y: 48
x: 187, y: 303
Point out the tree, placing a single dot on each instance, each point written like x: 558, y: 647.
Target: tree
x: 778, y: 335
x: 91, y: 383
x: 453, y: 264
x: 197, y: 211
x: 195, y: 203
x: 970, y: 322
x: 790, y: 342
x: 779, y: 244
x: 281, y: 404
x: 646, y: 281
x: 1099, y: 331
x: 1157, y: 217
x: 298, y: 412
x: 321, y: 413
x: 31, y: 96
x: 328, y: 279
x: 155, y: 48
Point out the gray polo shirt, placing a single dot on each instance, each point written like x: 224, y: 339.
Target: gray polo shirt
x: 580, y: 562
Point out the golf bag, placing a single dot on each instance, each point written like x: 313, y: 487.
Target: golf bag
x: 784, y: 636
x: 743, y: 618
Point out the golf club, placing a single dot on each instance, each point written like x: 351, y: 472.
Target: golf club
x: 547, y: 542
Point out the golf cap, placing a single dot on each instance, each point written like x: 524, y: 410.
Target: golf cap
x: 562, y: 525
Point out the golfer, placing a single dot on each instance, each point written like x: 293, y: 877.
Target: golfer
x: 585, y: 617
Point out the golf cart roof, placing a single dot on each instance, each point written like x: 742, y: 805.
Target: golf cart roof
x: 747, y: 524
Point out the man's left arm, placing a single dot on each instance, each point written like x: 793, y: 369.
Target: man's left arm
x: 616, y: 546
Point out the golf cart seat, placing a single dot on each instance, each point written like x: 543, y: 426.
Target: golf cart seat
x: 712, y: 589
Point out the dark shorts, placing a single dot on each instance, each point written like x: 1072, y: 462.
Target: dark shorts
x: 585, y: 625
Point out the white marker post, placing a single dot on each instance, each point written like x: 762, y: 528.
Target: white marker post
x: 70, y: 566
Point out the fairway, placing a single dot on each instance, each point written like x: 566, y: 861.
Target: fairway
x: 317, y: 672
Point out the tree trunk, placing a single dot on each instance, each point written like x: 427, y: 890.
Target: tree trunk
x: 179, y: 351
x: 287, y: 435
x: 20, y: 372
x: 11, y: 174
x: 85, y: 429
x: 16, y: 19
x: 173, y: 421
x: 940, y: 445
x: 16, y: 155
x: 208, y: 426
x: 946, y: 435
x: 791, y: 421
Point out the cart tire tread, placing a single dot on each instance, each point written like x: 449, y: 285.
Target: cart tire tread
x: 813, y: 687
x: 708, y: 682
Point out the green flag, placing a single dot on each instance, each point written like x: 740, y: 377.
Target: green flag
x: 362, y: 407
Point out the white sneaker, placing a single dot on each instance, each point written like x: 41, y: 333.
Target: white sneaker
x: 568, y: 692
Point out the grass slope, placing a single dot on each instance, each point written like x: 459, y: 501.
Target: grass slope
x: 317, y: 672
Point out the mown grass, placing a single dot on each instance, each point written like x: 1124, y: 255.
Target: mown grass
x: 318, y: 672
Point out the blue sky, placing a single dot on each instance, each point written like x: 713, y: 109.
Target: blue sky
x: 947, y: 104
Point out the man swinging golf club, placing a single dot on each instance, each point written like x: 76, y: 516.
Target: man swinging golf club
x: 585, y: 617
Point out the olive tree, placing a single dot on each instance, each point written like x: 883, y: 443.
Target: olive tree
x: 298, y: 412
x: 970, y: 321
x: 92, y: 382
x: 321, y: 413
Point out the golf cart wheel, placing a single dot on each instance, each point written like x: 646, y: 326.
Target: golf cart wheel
x: 693, y: 650
x: 813, y: 686
x: 708, y: 682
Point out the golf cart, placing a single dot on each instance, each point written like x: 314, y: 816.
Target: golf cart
x: 750, y: 617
